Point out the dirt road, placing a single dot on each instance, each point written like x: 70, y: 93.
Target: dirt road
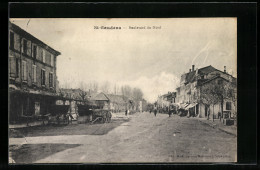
x: 145, y: 138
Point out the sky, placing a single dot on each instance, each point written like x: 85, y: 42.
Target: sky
x: 150, y: 59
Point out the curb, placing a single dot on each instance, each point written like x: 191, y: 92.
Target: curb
x: 230, y: 133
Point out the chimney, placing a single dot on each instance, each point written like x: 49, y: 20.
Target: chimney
x: 193, y: 67
x: 224, y: 69
x: 190, y: 70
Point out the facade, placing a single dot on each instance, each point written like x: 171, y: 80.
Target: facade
x: 115, y: 103
x: 164, y: 101
x: 193, y: 83
x: 32, y: 75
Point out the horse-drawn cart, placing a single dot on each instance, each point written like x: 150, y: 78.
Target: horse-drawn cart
x: 101, y: 115
x: 91, y: 114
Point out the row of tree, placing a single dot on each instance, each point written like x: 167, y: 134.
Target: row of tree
x: 93, y: 87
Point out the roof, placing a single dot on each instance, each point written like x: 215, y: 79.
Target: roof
x: 116, y: 98
x: 110, y: 97
x: 190, y: 77
x: 213, y: 78
x: 101, y: 97
x: 22, y: 32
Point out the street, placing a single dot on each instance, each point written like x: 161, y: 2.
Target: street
x: 141, y: 137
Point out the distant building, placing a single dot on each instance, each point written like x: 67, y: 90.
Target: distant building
x: 32, y: 75
x: 166, y: 100
x: 192, y: 85
x: 116, y: 103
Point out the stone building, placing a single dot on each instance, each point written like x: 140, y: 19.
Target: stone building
x: 115, y: 103
x: 32, y: 75
x: 164, y: 101
x: 194, y: 82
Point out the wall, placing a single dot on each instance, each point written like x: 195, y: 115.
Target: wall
x: 13, y: 54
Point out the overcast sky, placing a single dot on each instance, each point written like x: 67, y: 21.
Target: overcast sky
x: 151, y: 59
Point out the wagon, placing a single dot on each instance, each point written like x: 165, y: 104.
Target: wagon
x: 59, y: 114
x: 89, y: 113
x: 101, y: 115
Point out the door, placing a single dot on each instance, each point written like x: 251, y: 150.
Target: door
x: 206, y: 110
x: 37, y: 108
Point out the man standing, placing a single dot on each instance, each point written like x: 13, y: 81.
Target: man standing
x: 155, y: 111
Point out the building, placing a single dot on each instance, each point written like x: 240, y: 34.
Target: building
x: 116, y: 103
x: 32, y: 75
x: 74, y: 97
x: 193, y: 85
x: 164, y: 101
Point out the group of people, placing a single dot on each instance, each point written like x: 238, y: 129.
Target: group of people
x: 155, y: 112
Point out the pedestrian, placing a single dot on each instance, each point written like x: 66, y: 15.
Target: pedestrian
x: 155, y: 111
x: 170, y: 113
x: 126, y: 112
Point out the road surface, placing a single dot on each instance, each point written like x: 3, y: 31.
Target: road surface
x: 145, y: 138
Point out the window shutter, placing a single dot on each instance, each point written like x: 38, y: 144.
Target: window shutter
x: 43, y: 55
x: 17, y: 67
x: 45, y: 77
x: 34, y: 73
x: 29, y: 52
x: 16, y: 42
x: 41, y: 77
x: 25, y: 71
x: 12, y: 66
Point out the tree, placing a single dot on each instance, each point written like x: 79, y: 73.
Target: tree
x: 216, y: 92
x: 126, y: 91
x: 116, y: 89
x: 83, y: 95
x: 105, y: 87
x: 137, y: 94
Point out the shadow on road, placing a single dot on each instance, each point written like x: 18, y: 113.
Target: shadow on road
x: 29, y: 153
x: 72, y: 129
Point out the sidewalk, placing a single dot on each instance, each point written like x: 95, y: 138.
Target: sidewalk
x: 22, y: 125
x: 232, y: 130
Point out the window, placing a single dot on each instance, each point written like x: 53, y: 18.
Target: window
x: 34, y: 51
x: 16, y: 67
x: 52, y: 60
x: 11, y: 40
x: 34, y: 73
x: 43, y: 77
x: 24, y: 46
x: 51, y: 79
x: 24, y: 70
x: 43, y: 56
x: 228, y: 105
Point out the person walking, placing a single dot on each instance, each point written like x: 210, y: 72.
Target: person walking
x: 155, y: 111
x: 169, y: 112
x: 126, y: 112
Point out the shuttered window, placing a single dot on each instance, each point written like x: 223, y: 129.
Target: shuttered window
x: 34, y: 73
x: 51, y: 79
x: 11, y: 40
x: 43, y: 56
x: 34, y: 51
x: 43, y: 76
x: 24, y: 70
x: 17, y: 67
x: 24, y: 46
x: 228, y: 105
x: 52, y: 60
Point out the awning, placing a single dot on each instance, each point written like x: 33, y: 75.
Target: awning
x: 191, y: 105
